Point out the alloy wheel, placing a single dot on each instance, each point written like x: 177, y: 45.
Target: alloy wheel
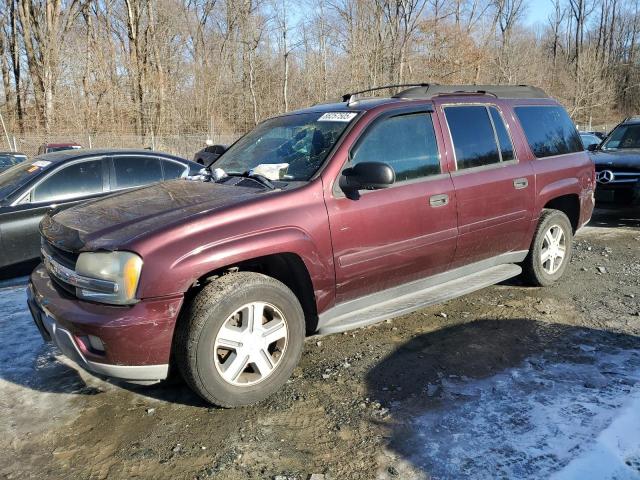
x: 250, y: 344
x: 553, y: 250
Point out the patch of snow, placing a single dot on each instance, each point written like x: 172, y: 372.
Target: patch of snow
x: 616, y: 451
x: 34, y: 386
x: 549, y: 415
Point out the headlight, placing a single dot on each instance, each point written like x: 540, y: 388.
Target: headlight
x: 121, y: 268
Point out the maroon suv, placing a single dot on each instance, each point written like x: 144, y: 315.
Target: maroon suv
x: 318, y: 221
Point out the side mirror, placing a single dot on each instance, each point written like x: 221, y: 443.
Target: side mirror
x: 593, y: 147
x: 367, y: 176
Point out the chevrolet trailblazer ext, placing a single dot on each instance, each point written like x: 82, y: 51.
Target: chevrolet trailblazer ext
x: 318, y: 221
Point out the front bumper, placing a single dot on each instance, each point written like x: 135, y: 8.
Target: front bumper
x: 136, y: 339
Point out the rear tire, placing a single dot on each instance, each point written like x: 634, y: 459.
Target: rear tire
x: 550, y: 251
x: 239, y: 339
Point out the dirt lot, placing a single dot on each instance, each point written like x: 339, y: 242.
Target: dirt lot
x: 508, y: 382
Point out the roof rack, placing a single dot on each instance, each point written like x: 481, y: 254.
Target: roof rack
x: 347, y: 97
x: 499, y: 91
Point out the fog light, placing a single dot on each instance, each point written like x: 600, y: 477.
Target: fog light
x: 96, y: 343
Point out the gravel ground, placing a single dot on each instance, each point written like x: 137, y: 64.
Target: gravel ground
x: 509, y: 382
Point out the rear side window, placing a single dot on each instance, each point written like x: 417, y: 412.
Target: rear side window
x: 134, y: 171
x: 172, y: 170
x: 473, y: 137
x: 407, y: 143
x: 506, y: 147
x: 549, y: 130
x: 77, y: 180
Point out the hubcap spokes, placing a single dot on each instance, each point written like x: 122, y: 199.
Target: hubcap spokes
x: 553, y: 249
x: 250, y: 344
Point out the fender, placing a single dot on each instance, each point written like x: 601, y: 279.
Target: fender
x: 197, y: 263
x: 564, y: 186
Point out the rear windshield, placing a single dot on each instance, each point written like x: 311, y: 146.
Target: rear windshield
x: 549, y: 130
x: 18, y: 175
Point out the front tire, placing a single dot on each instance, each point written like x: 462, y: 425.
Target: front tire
x: 550, y: 251
x: 239, y: 339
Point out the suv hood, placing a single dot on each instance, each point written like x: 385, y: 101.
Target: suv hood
x: 111, y: 222
x: 620, y: 159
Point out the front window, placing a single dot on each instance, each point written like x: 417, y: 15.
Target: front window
x: 407, y: 143
x: 296, y: 145
x: 623, y: 137
x: 76, y: 180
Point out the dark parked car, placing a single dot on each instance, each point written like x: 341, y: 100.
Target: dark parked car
x: 600, y: 135
x: 589, y: 140
x: 60, y: 180
x: 9, y: 159
x: 57, y: 147
x: 329, y: 218
x: 617, y: 162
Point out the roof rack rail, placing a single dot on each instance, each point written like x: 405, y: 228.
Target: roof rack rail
x: 347, y: 97
x: 498, y: 91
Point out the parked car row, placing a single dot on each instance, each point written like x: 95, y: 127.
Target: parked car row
x: 318, y: 221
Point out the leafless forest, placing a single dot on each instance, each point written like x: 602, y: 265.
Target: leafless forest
x: 216, y: 67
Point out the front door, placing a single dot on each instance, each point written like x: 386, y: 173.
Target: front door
x: 398, y: 234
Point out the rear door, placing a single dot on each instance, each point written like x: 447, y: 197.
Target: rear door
x: 391, y: 236
x: 494, y: 188
x: 68, y: 185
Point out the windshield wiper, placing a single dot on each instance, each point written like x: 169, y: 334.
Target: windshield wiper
x: 261, y: 179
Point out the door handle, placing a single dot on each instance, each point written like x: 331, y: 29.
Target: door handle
x: 439, y: 200
x: 520, y: 183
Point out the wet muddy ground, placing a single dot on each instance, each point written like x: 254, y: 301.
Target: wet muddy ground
x: 510, y: 382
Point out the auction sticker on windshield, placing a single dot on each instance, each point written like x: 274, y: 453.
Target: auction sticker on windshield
x: 337, y: 117
x: 41, y: 163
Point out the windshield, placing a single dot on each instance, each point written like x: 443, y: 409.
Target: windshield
x: 7, y: 161
x: 16, y: 176
x: 624, y: 136
x: 295, y: 146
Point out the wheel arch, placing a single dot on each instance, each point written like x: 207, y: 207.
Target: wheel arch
x: 286, y: 267
x: 569, y: 204
x: 562, y: 195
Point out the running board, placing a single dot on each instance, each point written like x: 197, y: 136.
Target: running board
x: 409, y: 302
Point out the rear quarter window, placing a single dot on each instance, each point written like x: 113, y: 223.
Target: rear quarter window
x: 549, y: 130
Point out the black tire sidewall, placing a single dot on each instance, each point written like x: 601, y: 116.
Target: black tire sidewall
x: 216, y: 388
